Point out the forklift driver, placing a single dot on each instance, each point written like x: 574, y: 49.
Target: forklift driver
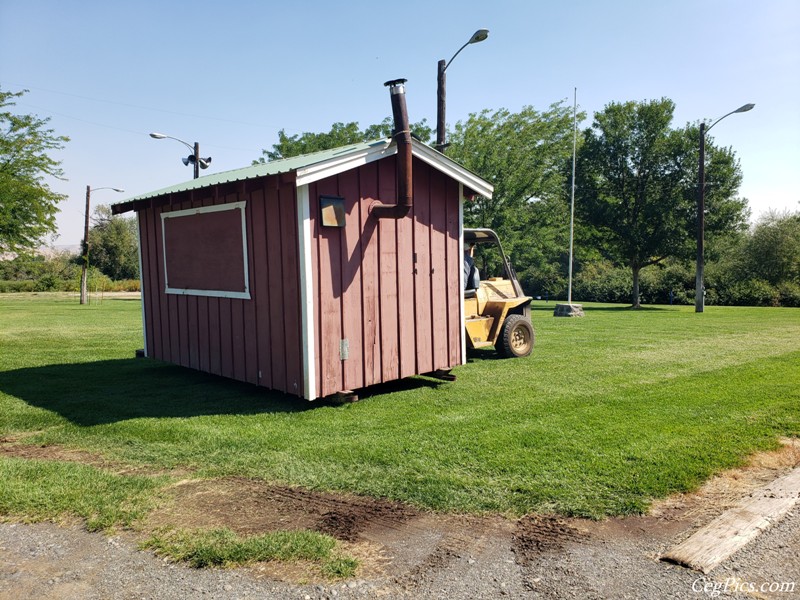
x: 472, y: 279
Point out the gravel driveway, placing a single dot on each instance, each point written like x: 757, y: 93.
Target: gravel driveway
x: 612, y: 560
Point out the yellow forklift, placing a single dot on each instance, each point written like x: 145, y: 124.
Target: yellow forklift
x: 496, y: 311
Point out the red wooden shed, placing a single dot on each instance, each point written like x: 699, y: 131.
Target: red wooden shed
x: 312, y: 275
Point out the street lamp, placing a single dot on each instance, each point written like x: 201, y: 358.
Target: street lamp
x: 699, y: 291
x: 478, y: 36
x: 193, y: 158
x: 85, y: 261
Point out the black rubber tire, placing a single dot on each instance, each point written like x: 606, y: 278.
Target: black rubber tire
x: 516, y: 337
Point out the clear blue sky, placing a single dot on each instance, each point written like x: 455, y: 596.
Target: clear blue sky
x: 231, y: 74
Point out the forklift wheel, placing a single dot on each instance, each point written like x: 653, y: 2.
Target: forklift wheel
x: 516, y: 337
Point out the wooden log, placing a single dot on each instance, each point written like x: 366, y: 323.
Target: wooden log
x: 732, y: 530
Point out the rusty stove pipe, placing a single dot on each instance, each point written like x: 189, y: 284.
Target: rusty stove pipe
x: 402, y: 136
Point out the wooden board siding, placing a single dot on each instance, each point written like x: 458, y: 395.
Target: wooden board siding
x: 370, y: 302
x: 291, y: 289
x: 421, y: 256
x: 388, y: 282
x: 254, y: 340
x: 389, y: 288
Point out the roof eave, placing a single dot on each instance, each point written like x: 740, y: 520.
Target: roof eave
x: 451, y: 168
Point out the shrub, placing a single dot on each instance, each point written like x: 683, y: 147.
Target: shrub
x: 602, y: 282
x: 125, y: 285
x: 753, y: 292
x: 46, y: 283
x: 16, y: 286
x: 789, y: 293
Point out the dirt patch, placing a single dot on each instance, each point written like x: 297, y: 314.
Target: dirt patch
x: 249, y: 507
x: 389, y: 539
x: 542, y: 533
x: 11, y: 447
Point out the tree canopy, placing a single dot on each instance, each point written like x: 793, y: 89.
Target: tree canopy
x: 113, y: 245
x: 340, y: 134
x: 28, y: 206
x: 772, y: 251
x: 524, y: 155
x: 637, y: 185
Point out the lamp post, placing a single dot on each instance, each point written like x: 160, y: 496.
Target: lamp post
x: 85, y: 261
x: 478, y: 36
x: 699, y: 291
x: 193, y: 158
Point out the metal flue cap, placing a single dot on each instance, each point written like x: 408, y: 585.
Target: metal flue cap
x: 396, y: 86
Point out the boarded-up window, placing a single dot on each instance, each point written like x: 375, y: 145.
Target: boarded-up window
x: 205, y: 251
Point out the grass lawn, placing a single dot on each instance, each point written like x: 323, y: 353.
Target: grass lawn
x: 609, y: 412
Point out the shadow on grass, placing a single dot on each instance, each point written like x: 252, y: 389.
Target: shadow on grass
x: 545, y: 308
x: 482, y: 354
x: 400, y: 385
x: 625, y: 308
x: 116, y: 390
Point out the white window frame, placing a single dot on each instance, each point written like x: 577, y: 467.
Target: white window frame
x: 245, y: 295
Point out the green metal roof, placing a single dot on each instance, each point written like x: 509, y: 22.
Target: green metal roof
x: 275, y: 167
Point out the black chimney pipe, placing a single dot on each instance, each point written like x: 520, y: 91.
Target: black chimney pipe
x: 402, y: 136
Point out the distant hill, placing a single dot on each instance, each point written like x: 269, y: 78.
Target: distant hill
x: 47, y: 251
x: 60, y: 249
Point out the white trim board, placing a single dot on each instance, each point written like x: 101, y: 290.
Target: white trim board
x: 354, y: 159
x: 141, y: 278
x: 461, y: 283
x: 340, y: 164
x: 307, y: 306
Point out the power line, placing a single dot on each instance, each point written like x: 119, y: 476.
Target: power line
x: 60, y: 114
x: 151, y: 108
x: 53, y: 112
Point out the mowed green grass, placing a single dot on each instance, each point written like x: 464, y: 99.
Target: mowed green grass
x: 610, y: 411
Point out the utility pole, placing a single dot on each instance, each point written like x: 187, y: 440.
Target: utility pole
x: 441, y: 103
x: 441, y: 89
x: 699, y: 291
x: 194, y: 158
x: 85, y: 261
x: 85, y: 257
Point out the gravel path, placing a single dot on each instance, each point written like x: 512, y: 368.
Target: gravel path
x: 612, y: 559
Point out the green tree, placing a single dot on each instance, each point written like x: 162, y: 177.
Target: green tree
x: 27, y: 204
x: 758, y: 267
x: 524, y: 155
x: 636, y: 186
x: 772, y: 250
x: 113, y: 245
x: 340, y: 134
